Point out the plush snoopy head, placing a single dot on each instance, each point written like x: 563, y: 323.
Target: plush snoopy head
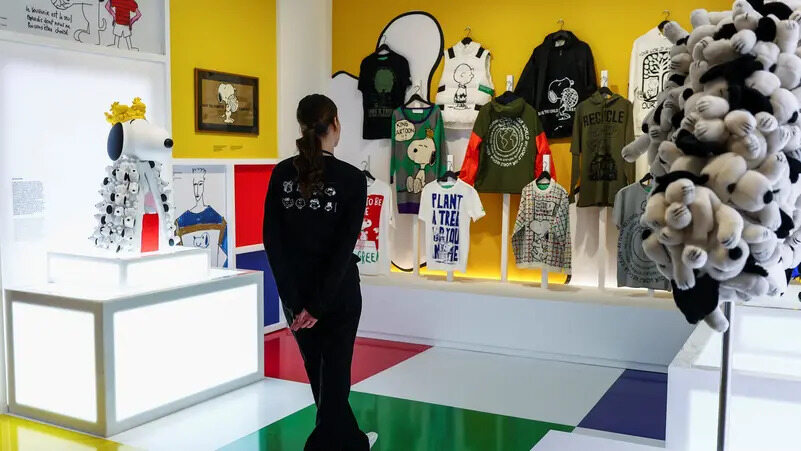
x: 133, y: 136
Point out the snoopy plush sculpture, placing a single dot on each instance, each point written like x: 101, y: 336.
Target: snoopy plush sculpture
x: 723, y: 145
x: 135, y: 211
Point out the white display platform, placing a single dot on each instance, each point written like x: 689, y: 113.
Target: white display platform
x: 564, y: 441
x: 103, y: 359
x: 765, y: 407
x: 616, y: 327
x: 178, y: 265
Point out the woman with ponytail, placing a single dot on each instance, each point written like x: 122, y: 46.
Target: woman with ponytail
x: 312, y: 217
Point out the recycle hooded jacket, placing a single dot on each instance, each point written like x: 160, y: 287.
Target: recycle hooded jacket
x: 559, y: 75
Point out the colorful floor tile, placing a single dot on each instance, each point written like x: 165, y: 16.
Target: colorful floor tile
x: 214, y: 423
x: 282, y: 359
x: 410, y: 426
x: 635, y: 405
x: 534, y: 389
x: 560, y: 441
x: 17, y: 434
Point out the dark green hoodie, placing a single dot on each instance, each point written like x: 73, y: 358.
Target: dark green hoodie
x: 602, y: 127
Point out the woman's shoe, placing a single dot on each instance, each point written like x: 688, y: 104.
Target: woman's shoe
x: 372, y: 437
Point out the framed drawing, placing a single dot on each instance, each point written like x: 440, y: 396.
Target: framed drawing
x: 226, y: 103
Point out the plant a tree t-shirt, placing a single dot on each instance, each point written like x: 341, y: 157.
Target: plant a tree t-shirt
x: 447, y: 209
x: 418, y: 153
x: 372, y: 246
x: 383, y: 80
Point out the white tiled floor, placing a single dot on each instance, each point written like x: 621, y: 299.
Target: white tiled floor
x: 526, y: 388
x: 215, y: 423
x: 562, y: 441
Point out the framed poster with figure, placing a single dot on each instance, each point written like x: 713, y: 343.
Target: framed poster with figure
x: 226, y: 103
x: 200, y: 195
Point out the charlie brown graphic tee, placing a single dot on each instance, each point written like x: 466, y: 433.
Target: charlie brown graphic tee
x: 372, y: 246
x: 447, y: 209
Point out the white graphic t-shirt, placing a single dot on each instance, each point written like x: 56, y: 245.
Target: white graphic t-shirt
x: 372, y: 246
x: 649, y: 70
x: 447, y: 210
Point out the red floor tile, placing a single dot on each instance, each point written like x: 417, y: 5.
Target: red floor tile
x: 282, y: 359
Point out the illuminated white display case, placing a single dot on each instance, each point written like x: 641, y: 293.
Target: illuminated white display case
x: 104, y: 357
x: 765, y: 403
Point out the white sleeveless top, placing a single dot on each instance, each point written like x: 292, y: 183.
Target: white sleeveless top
x: 466, y: 84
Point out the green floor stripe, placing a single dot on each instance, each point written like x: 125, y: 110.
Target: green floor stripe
x: 409, y: 426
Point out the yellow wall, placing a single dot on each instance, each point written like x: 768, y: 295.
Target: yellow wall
x: 237, y: 36
x: 511, y: 29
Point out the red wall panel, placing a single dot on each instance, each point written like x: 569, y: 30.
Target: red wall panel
x: 251, y: 187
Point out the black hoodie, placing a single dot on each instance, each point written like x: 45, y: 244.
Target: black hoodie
x: 556, y: 79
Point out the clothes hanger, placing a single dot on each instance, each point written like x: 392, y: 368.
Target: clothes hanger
x: 467, y: 40
x: 509, y: 96
x: 604, y: 89
x: 416, y: 98
x: 646, y: 178
x: 383, y: 47
x: 561, y: 33
x: 366, y: 170
x: 662, y: 24
x: 449, y: 176
x: 544, y: 175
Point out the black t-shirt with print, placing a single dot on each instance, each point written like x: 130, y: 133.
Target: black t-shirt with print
x: 383, y: 80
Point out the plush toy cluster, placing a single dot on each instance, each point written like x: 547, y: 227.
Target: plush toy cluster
x: 724, y: 147
x: 122, y: 207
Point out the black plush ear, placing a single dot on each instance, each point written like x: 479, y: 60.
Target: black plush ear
x: 735, y: 72
x: 677, y: 118
x: 787, y: 226
x: 766, y: 29
x: 658, y: 113
x: 745, y: 98
x: 751, y: 267
x: 725, y: 32
x: 433, y: 158
x: 795, y: 169
x: 778, y: 9
x: 663, y: 181
x: 700, y: 300
x: 690, y: 145
x: 115, y: 140
x: 678, y: 79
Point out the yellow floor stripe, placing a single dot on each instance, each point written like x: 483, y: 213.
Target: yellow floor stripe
x: 17, y: 434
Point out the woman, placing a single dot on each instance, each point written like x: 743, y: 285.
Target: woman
x: 312, y: 218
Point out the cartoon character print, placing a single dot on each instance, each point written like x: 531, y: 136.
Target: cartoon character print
x: 366, y: 223
x: 314, y: 204
x: 287, y: 187
x: 288, y: 202
x: 383, y: 83
x: 463, y: 75
x: 561, y: 90
x: 655, y: 71
x: 423, y: 152
x: 540, y: 228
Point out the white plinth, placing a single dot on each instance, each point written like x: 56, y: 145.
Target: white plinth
x: 104, y: 360
x: 765, y: 406
x: 97, y: 267
x: 564, y: 441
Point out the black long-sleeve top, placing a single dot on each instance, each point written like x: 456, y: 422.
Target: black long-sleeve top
x: 309, y: 242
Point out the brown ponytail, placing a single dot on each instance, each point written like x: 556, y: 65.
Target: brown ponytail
x: 316, y: 113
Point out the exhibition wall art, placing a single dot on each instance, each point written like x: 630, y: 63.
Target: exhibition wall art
x: 226, y: 103
x: 128, y: 25
x: 200, y: 204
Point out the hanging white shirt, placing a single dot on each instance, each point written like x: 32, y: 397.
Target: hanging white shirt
x: 372, y: 246
x: 649, y: 70
x: 447, y: 209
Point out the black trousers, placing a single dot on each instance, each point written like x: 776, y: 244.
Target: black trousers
x: 327, y: 350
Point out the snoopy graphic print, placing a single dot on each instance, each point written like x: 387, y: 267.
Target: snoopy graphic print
x: 372, y: 246
x: 417, y: 153
x: 648, y: 73
x: 447, y: 210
